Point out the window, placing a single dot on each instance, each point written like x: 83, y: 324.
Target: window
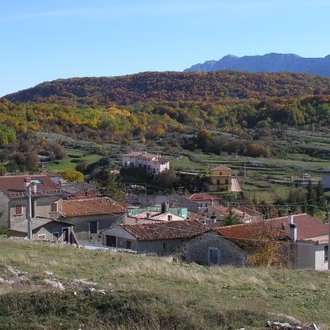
x: 218, y: 181
x: 214, y: 255
x: 111, y: 240
x: 93, y: 227
x: 226, y: 182
x: 164, y: 247
x: 19, y: 209
x: 128, y: 245
x: 42, y: 237
x: 326, y: 253
x: 54, y: 207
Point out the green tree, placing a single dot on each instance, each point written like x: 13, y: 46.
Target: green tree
x: 231, y: 218
x: 167, y: 179
x: 111, y: 186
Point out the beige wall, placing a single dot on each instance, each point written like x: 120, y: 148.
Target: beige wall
x: 42, y: 206
x: 310, y: 256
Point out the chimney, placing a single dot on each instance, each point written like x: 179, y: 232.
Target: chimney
x: 283, y: 226
x: 169, y: 217
x: 290, y: 219
x: 148, y: 215
x: 163, y: 209
x: 293, y: 232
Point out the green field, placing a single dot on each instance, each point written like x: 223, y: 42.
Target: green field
x: 71, y: 160
x: 149, y: 292
x: 257, y: 175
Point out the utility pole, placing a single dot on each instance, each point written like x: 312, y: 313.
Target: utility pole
x: 31, y: 188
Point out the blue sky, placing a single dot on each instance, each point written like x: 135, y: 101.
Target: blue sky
x: 50, y: 39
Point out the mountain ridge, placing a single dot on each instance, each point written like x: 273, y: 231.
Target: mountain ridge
x: 271, y: 62
x: 173, y: 86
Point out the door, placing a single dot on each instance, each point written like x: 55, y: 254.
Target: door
x: 65, y: 234
x: 111, y: 241
x: 214, y: 256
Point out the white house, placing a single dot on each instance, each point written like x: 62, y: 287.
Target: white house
x: 153, y: 164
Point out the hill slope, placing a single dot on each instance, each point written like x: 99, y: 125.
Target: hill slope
x: 268, y: 63
x: 173, y: 86
x: 147, y: 292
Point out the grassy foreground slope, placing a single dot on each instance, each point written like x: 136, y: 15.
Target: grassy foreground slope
x: 148, y: 292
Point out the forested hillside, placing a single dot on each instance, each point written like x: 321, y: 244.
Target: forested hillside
x: 218, y: 87
x: 227, y: 112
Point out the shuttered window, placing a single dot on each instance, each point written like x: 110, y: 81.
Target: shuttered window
x: 19, y: 209
x: 93, y: 227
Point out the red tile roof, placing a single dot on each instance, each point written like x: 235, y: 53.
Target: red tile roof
x: 14, y: 185
x: 91, y: 206
x: 221, y: 209
x: 167, y: 230
x: 307, y: 227
x: 252, y: 231
x: 221, y: 167
x: 249, y: 211
x: 201, y: 197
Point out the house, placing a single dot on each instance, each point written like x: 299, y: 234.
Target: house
x: 173, y: 200
x: 91, y: 216
x: 244, y: 214
x: 77, y: 189
x: 221, y: 179
x: 14, y: 198
x: 152, y: 214
x: 326, y: 182
x: 203, y: 201
x: 44, y: 229
x: 153, y: 164
x: 191, y: 240
x: 158, y: 211
x: 307, y: 237
x: 210, y: 248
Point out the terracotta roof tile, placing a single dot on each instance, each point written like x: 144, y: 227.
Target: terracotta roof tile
x: 199, y: 197
x: 222, y: 209
x: 91, y: 206
x: 249, y: 211
x: 221, y: 167
x: 307, y: 227
x: 166, y: 230
x: 14, y: 185
x: 252, y: 231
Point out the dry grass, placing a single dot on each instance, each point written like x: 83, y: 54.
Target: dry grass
x: 196, y: 294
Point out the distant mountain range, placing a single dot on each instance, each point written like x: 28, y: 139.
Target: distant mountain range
x: 268, y: 63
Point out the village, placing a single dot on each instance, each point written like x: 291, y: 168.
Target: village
x: 198, y: 227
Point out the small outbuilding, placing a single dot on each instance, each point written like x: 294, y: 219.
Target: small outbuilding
x: 190, y: 240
